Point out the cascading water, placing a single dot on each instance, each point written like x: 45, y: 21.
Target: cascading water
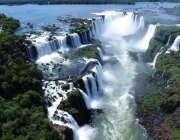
x: 75, y: 40
x: 58, y: 116
x: 93, y: 90
x: 44, y: 47
x: 175, y: 46
x: 86, y: 99
x: 86, y: 85
x: 99, y: 77
x: 167, y: 44
x: 155, y: 58
x: 100, y: 53
x: 141, y: 23
x: 144, y: 43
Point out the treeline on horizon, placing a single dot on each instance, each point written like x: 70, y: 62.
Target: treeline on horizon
x: 67, y: 2
x: 9, y: 2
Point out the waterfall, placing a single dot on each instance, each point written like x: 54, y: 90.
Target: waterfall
x: 155, y: 58
x: 175, y: 45
x: 86, y: 85
x: 86, y: 99
x: 55, y: 95
x: 93, y: 30
x: 85, y: 37
x: 44, y: 48
x: 71, y: 86
x: 75, y: 40
x: 167, y: 44
x: 99, y: 77
x: 117, y: 101
x: 122, y: 25
x: 144, y: 43
x: 98, y: 26
x: 100, y: 53
x: 31, y: 53
x: 141, y: 23
x: 94, y: 91
x: 92, y: 88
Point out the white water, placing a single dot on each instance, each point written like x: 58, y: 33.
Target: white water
x: 86, y: 85
x: 86, y: 99
x: 99, y: 77
x: 75, y: 40
x: 100, y: 53
x: 175, y: 46
x: 143, y: 44
x: 167, y: 44
x: 93, y: 90
x: 141, y: 23
x: 155, y: 58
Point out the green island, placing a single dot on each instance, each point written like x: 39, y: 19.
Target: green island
x: 159, y: 93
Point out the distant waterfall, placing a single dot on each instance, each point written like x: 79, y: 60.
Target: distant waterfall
x: 98, y: 24
x: 167, y: 44
x: 75, y: 40
x: 141, y: 23
x: 128, y: 24
x: 124, y: 24
x: 175, y: 46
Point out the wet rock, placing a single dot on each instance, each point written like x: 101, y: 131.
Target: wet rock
x: 64, y: 132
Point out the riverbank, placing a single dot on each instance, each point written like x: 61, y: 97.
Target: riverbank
x: 157, y: 93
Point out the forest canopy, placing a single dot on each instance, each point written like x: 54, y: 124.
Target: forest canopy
x: 22, y: 111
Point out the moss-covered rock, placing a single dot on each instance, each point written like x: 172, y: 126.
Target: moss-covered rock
x: 65, y: 87
x: 75, y: 105
x: 89, y: 51
x: 78, y: 83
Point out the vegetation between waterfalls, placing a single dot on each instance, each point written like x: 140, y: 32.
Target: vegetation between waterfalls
x: 159, y: 104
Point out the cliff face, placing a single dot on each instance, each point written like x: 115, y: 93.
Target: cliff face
x: 159, y: 106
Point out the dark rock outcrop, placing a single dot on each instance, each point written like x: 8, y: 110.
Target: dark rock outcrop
x: 64, y: 132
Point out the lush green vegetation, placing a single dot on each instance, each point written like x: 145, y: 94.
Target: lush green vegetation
x: 50, y: 28
x: 90, y: 51
x: 65, y: 87
x: 8, y: 24
x: 162, y: 91
x: 22, y: 112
